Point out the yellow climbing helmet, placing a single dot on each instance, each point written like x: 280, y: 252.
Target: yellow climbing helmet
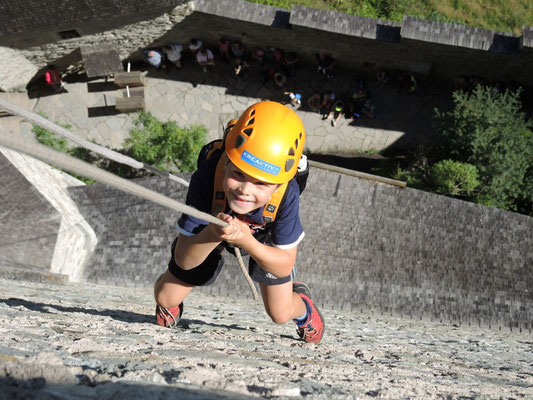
x: 266, y: 142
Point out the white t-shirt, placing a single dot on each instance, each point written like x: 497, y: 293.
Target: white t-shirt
x: 204, y: 56
x: 174, y: 54
x: 196, y: 47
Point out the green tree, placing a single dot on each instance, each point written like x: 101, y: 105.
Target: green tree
x: 164, y: 144
x: 49, y: 139
x: 161, y: 144
x: 488, y: 130
x: 454, y: 178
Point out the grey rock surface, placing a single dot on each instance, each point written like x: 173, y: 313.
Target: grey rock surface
x: 88, y: 341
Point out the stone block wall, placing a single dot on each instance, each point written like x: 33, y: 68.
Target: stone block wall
x: 368, y: 246
x: 28, y: 222
x: 40, y: 225
x: 431, y: 49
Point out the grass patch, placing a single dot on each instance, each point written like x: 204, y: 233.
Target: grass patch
x: 501, y: 15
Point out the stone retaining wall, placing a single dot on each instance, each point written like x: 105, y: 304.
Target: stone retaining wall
x: 40, y: 225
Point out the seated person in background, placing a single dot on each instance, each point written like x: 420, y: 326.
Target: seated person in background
x: 223, y: 48
x: 155, y: 59
x: 314, y: 102
x: 368, y: 109
x: 204, y: 57
x: 328, y: 99
x: 383, y: 78
x: 240, y: 67
x: 259, y: 55
x: 173, y: 53
x: 237, y: 49
x: 360, y: 96
x: 280, y: 79
x: 53, y: 78
x: 474, y: 81
x: 337, y: 112
x: 295, y: 99
x: 325, y: 65
x: 289, y: 61
x: 195, y: 45
x: 406, y: 82
x: 274, y: 54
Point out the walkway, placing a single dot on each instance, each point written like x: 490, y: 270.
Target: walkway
x: 188, y: 96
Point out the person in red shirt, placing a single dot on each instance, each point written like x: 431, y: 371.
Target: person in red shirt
x: 53, y: 78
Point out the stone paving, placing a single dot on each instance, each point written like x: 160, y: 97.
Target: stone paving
x: 188, y: 96
x: 99, y: 342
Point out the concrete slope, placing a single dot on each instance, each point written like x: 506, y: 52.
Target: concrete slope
x: 99, y: 342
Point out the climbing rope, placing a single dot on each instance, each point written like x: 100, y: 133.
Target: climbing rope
x: 82, y: 168
x: 108, y: 153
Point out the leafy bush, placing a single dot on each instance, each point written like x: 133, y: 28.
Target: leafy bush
x: 454, y: 178
x: 49, y: 139
x: 163, y: 145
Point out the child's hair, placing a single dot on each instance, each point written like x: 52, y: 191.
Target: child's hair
x: 266, y: 142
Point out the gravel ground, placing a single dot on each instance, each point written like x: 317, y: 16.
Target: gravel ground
x: 97, y: 342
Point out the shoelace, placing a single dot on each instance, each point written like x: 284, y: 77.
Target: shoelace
x: 165, y: 313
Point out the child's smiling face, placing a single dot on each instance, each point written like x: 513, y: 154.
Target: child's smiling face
x: 243, y: 192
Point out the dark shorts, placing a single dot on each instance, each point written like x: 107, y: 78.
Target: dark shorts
x: 206, y: 273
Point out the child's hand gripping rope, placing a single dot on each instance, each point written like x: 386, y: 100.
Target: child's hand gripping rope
x: 236, y: 232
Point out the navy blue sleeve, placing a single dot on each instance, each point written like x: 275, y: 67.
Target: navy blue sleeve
x: 199, y: 196
x: 287, y: 230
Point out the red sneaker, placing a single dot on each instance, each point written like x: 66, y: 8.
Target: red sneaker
x: 168, y: 317
x: 312, y: 329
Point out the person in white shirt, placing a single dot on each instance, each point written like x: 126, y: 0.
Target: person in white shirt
x: 195, y: 45
x: 173, y: 52
x: 205, y: 57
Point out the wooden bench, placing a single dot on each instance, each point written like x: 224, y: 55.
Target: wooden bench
x: 131, y: 79
x: 130, y: 104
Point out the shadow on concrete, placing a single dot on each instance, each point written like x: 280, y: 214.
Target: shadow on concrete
x: 96, y: 87
x: 37, y: 86
x: 102, y: 111
x: 38, y: 388
x: 119, y: 315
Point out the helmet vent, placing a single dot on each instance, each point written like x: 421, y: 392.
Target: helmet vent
x: 252, y: 112
x: 250, y: 122
x: 300, y: 135
x: 288, y: 164
x: 248, y: 131
x: 239, y: 141
x: 291, y: 152
x: 296, y: 143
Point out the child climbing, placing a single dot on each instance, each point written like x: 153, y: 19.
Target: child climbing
x: 252, y: 184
